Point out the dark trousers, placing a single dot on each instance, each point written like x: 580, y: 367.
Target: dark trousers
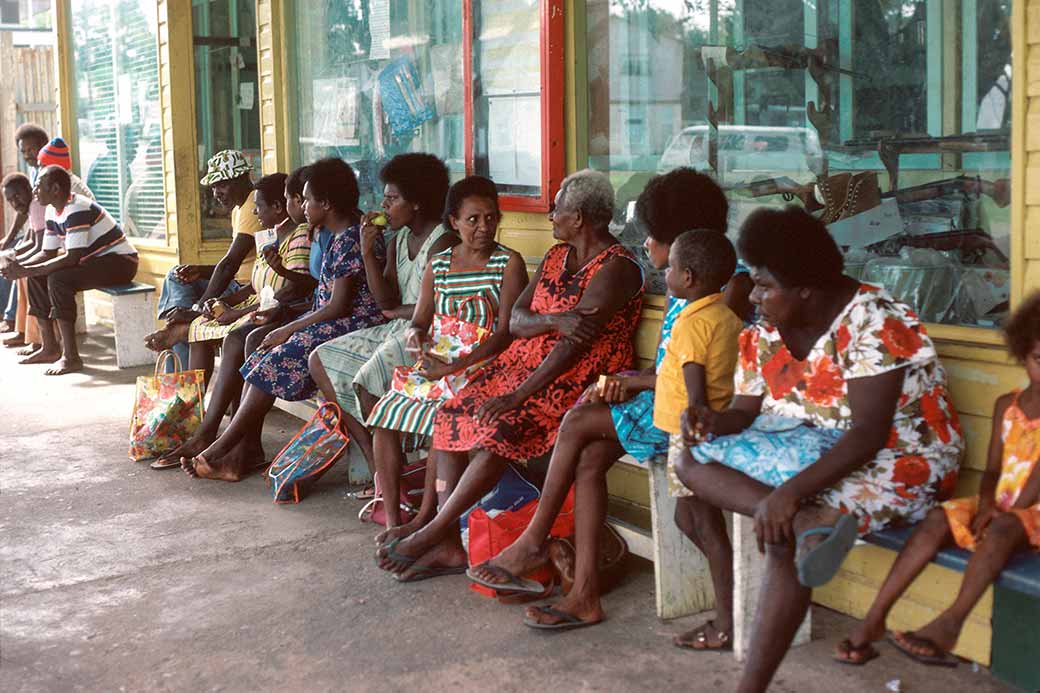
x: 53, y: 297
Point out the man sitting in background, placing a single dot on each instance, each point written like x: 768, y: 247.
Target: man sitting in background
x: 97, y: 254
x: 188, y: 288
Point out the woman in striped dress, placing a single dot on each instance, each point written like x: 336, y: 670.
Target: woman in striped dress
x: 284, y: 271
x: 477, y: 282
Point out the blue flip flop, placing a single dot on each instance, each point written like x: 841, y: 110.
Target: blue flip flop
x: 821, y: 563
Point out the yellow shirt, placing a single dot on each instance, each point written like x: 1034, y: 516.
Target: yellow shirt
x: 244, y: 221
x: 705, y: 332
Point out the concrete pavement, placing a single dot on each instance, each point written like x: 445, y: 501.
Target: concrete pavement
x: 114, y: 577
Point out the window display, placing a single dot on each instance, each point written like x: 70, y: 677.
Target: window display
x: 890, y: 120
x: 227, y: 114
x: 461, y: 80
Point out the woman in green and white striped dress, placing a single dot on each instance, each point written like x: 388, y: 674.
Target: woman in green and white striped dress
x: 476, y: 281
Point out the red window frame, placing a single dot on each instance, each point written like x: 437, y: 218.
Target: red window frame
x: 551, y: 39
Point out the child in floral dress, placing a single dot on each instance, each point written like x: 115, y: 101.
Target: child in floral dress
x: 1002, y: 519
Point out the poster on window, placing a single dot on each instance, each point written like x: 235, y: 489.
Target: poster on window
x: 336, y: 111
x: 515, y: 139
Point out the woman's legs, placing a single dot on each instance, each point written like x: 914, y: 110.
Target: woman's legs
x: 929, y: 537
x: 358, y: 433
x: 1004, y: 535
x: 705, y: 526
x: 590, y: 512
x: 581, y: 427
x: 389, y: 458
x: 428, y: 508
x: 200, y: 357
x: 217, y: 461
x: 442, y: 533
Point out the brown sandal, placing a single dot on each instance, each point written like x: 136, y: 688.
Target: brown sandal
x: 849, y: 654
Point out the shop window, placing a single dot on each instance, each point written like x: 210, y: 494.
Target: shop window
x: 116, y: 93
x: 226, y: 106
x: 456, y: 78
x: 890, y: 120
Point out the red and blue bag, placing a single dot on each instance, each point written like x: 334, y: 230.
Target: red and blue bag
x: 311, y: 452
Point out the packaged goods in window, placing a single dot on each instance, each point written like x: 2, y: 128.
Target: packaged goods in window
x: 336, y: 111
x: 401, y: 93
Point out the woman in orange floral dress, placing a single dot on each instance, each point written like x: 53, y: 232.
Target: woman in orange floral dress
x: 573, y: 322
x: 841, y: 424
x: 1002, y: 519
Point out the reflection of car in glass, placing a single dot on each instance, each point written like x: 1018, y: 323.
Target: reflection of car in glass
x: 745, y: 151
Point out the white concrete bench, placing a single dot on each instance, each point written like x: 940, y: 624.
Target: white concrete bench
x: 133, y: 317
x: 682, y: 580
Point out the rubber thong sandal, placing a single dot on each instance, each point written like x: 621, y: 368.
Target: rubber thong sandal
x: 515, y: 584
x: 166, y: 462
x: 850, y: 655
x: 821, y: 563
x: 398, y: 558
x: 700, y: 641
x: 566, y: 622
x: 424, y: 572
x: 365, y: 494
x: 938, y: 658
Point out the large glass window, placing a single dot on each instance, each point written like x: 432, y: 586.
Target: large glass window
x: 889, y: 119
x: 459, y: 79
x: 227, y: 112
x: 117, y: 110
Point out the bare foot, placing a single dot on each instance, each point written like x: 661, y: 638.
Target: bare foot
x: 41, y: 356
x: 63, y: 366
x: 444, y: 555
x: 165, y: 338
x: 189, y: 448
x: 400, y: 531
x: 588, y: 610
x: 396, y: 556
x: 6, y: 326
x: 15, y: 341
x: 865, y: 634
x: 518, y: 558
x: 29, y: 350
x: 199, y: 468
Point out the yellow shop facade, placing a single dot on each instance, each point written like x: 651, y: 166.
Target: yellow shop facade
x: 912, y: 126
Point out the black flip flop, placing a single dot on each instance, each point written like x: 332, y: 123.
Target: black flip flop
x: 940, y: 659
x: 514, y: 584
x: 870, y: 653
x: 423, y: 572
x: 567, y: 621
x: 392, y: 555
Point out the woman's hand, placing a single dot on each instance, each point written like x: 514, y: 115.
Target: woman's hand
x: 13, y: 270
x: 231, y: 315
x: 591, y: 395
x: 399, y: 313
x: 209, y: 308
x: 273, y: 259
x: 697, y: 423
x: 434, y: 369
x: 370, y: 233
x: 496, y: 406
x: 415, y: 340
x: 773, y: 517
x: 275, y: 338
x: 618, y: 389
x: 263, y: 317
x: 186, y: 274
x: 577, y: 325
x: 988, y: 510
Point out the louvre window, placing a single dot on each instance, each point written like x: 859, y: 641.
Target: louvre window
x: 117, y: 110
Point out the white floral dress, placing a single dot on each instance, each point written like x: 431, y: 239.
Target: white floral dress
x: 874, y: 334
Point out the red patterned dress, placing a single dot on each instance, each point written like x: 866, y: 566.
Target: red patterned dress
x: 530, y: 429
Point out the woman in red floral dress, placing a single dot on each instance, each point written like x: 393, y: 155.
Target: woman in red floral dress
x: 574, y: 322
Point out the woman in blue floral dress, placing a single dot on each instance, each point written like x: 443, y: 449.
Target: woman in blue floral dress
x: 278, y: 368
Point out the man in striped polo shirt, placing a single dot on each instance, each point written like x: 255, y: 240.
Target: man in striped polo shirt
x: 97, y: 254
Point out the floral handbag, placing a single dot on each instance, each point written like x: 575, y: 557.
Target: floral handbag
x: 451, y: 337
x: 168, y: 408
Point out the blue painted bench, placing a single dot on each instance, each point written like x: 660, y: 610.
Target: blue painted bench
x: 1016, y: 608
x: 133, y: 317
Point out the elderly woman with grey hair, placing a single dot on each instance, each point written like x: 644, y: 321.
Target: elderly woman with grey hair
x: 574, y: 321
